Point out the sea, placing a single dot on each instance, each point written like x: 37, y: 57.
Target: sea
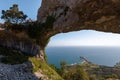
x: 101, y: 55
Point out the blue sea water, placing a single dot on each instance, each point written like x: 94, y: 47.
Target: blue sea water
x: 98, y: 55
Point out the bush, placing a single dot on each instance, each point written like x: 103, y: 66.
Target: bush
x: 112, y: 76
x: 76, y: 74
x: 35, y: 30
x: 13, y: 16
x: 53, y: 67
x: 92, y: 77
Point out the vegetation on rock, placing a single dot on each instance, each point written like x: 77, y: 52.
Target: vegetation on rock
x: 43, y: 68
x: 13, y: 57
x: 91, y: 72
x: 76, y: 74
x: 117, y: 64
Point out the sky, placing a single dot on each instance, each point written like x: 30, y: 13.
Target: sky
x: 79, y: 38
x: 85, y: 38
x: 29, y: 7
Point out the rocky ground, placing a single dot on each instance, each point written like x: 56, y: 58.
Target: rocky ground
x: 22, y: 71
x: 17, y: 72
x: 33, y: 69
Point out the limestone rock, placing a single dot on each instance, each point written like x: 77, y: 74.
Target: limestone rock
x: 10, y: 41
x: 74, y: 15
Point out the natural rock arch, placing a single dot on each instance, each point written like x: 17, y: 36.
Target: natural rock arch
x: 71, y: 15
x: 74, y: 15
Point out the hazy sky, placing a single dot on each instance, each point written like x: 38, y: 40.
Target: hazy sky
x: 80, y: 38
x: 85, y: 38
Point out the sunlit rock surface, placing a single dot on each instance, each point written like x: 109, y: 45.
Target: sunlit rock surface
x: 73, y: 15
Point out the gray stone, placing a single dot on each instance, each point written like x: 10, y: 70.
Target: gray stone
x: 17, y: 72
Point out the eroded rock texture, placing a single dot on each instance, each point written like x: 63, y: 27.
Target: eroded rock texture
x: 11, y: 41
x: 73, y: 15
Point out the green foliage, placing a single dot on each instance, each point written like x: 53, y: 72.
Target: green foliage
x: 13, y: 15
x: 101, y: 79
x: 35, y: 30
x: 76, y: 74
x: 45, y: 56
x: 44, y: 68
x: 53, y: 67
x: 62, y: 67
x: 112, y: 76
x: 92, y: 77
x: 63, y: 64
x: 12, y: 57
x: 38, y: 30
x: 117, y: 64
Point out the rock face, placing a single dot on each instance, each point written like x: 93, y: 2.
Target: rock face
x: 10, y: 41
x: 74, y: 15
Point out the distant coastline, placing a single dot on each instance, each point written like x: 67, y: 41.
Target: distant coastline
x: 107, y: 55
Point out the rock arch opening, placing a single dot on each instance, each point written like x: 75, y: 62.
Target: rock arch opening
x: 88, y: 43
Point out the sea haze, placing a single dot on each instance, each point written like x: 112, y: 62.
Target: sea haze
x: 98, y: 55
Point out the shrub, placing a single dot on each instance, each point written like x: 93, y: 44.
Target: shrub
x: 76, y: 74
x: 92, y: 77
x: 112, y: 76
x: 13, y: 16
